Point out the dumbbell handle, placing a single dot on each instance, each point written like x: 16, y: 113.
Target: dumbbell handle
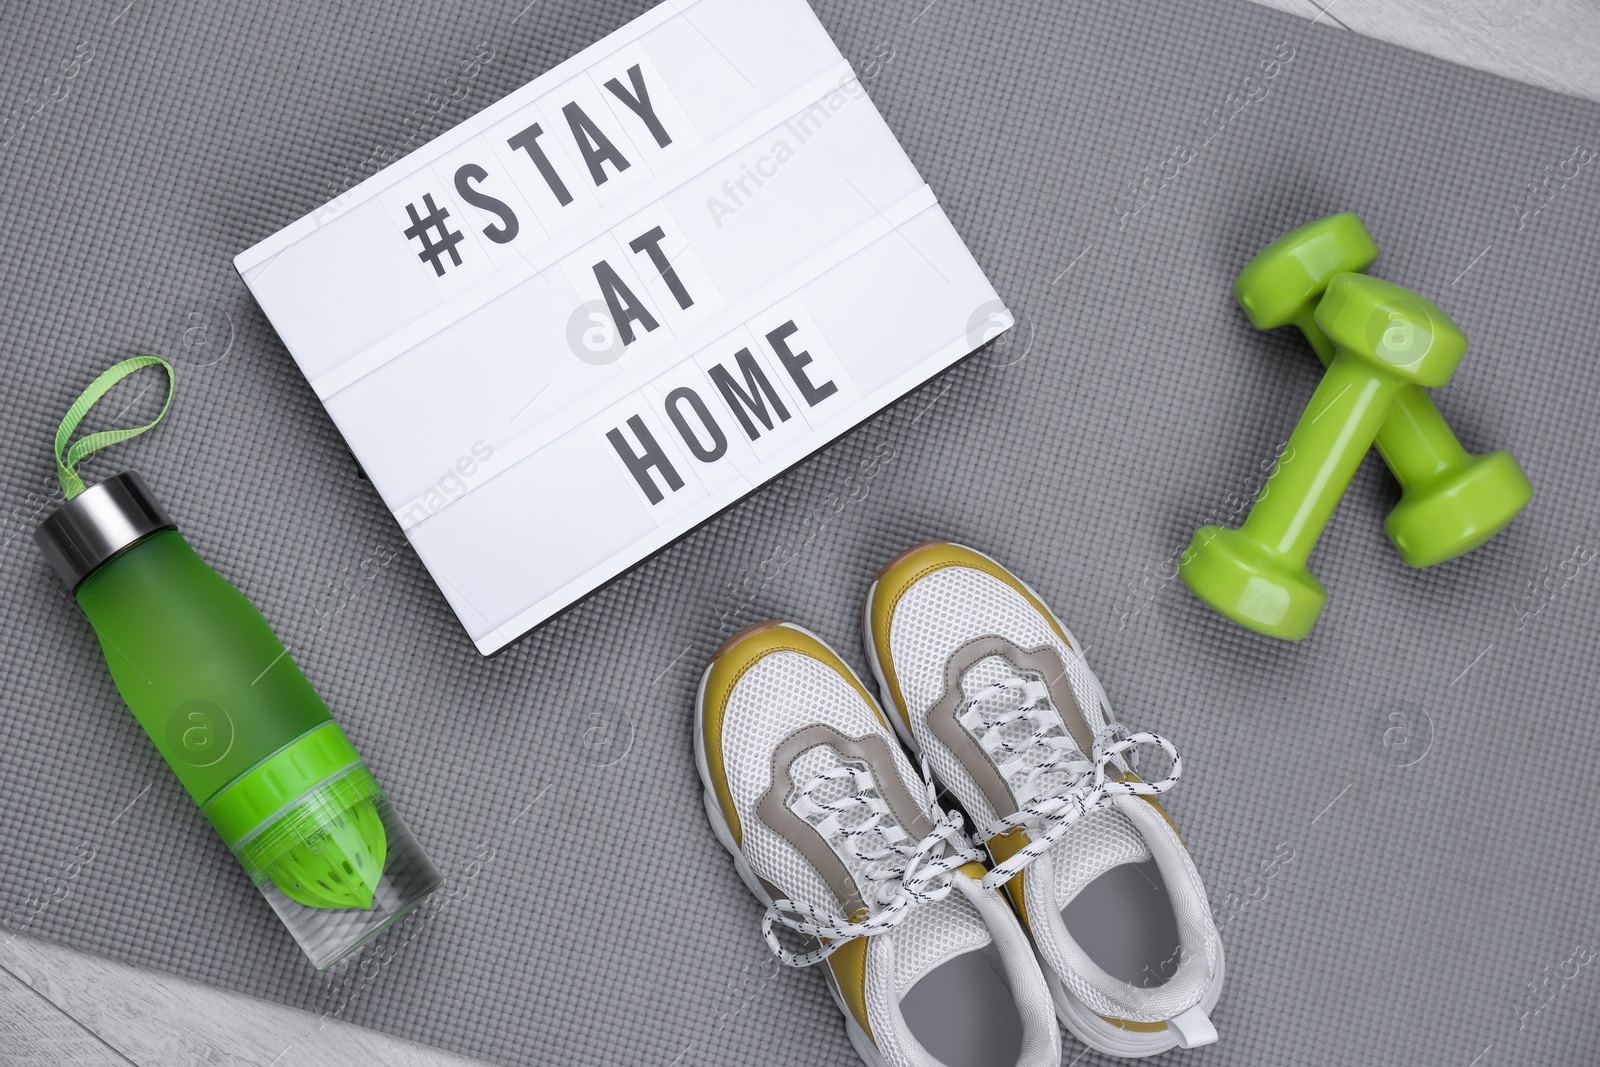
x: 1322, y: 454
x: 1415, y: 440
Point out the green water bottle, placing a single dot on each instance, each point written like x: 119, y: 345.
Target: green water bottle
x: 229, y: 710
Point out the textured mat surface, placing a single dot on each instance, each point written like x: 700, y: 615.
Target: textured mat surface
x: 1395, y: 818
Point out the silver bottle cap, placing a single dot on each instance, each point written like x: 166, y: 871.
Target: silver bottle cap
x: 103, y: 520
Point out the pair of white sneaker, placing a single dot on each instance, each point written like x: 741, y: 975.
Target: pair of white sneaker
x: 831, y: 826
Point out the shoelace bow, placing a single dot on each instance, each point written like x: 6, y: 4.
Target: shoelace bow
x: 902, y: 873
x: 1086, y: 788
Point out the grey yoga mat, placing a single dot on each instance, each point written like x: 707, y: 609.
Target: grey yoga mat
x: 1395, y: 818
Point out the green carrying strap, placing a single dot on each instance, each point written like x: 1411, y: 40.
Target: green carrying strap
x: 67, y: 462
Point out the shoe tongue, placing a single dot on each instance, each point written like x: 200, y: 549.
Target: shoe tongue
x: 816, y: 761
x: 1092, y: 846
x: 992, y: 670
x: 934, y: 933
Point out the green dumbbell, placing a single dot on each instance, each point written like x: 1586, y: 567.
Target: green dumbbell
x: 1451, y: 501
x: 1384, y: 339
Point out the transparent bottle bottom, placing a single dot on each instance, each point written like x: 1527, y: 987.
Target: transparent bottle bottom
x: 341, y: 868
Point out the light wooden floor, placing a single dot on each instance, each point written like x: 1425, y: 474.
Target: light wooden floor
x: 60, y: 1007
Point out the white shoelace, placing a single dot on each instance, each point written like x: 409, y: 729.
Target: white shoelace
x: 900, y: 873
x: 1048, y: 814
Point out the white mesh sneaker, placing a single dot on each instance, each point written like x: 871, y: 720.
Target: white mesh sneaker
x: 831, y: 827
x: 993, y: 692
